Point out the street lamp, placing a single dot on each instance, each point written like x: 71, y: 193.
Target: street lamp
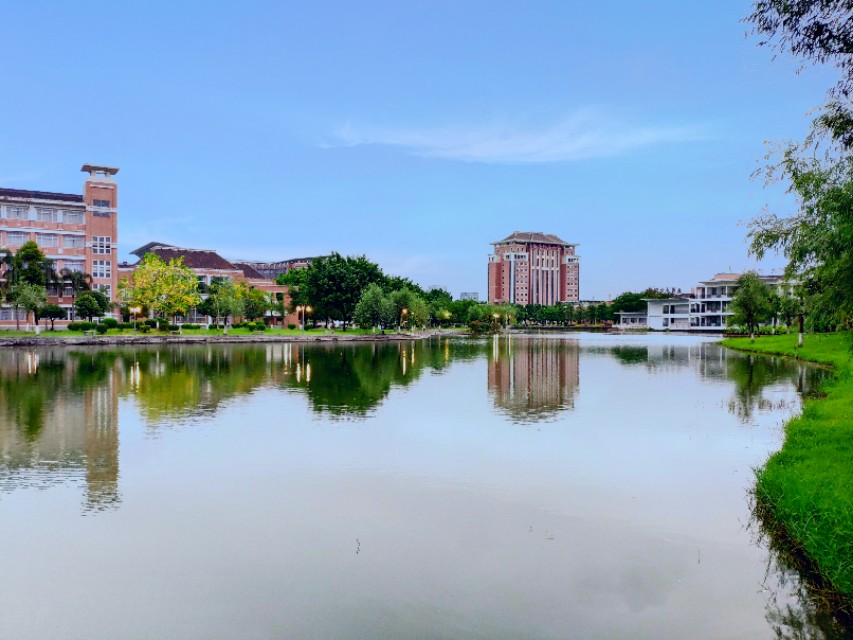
x: 302, y: 309
x: 134, y: 311
x: 403, y: 315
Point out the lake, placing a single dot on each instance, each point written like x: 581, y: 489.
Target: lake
x: 561, y: 486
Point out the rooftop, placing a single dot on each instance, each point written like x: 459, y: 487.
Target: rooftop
x: 534, y: 237
x: 40, y: 195
x: 193, y: 258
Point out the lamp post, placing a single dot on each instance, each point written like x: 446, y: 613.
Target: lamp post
x: 134, y: 311
x: 403, y: 315
x: 303, y: 309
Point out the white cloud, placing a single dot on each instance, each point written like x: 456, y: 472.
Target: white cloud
x: 586, y: 133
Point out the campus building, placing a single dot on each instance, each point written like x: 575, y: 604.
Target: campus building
x: 78, y: 232
x: 533, y: 268
x: 210, y: 267
x: 705, y: 308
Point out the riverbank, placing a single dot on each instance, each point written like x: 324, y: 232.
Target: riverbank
x: 203, y: 337
x: 807, y: 486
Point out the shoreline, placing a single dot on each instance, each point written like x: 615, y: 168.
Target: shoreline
x: 259, y: 338
x: 804, y: 487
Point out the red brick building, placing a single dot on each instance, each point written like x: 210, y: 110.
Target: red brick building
x: 531, y: 267
x: 78, y: 232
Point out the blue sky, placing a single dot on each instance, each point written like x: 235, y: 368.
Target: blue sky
x: 414, y: 133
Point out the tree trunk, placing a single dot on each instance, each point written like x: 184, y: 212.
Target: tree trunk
x: 800, y: 334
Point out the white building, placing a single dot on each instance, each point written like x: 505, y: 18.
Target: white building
x: 706, y: 308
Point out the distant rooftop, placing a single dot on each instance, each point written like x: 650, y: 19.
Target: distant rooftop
x: 92, y: 169
x: 40, y: 195
x: 193, y: 258
x: 534, y: 237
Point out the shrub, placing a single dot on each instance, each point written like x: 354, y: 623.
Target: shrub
x: 163, y: 324
x: 260, y: 326
x: 150, y: 322
x: 81, y: 326
x: 125, y: 325
x: 110, y: 323
x: 171, y: 327
x: 144, y: 328
x: 188, y: 326
x: 101, y: 329
x: 291, y: 326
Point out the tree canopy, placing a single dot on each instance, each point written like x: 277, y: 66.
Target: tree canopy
x: 751, y: 303
x: 168, y: 289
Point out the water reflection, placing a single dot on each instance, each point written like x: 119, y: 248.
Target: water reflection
x: 533, y: 380
x: 49, y: 435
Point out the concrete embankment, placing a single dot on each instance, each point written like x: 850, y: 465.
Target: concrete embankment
x: 259, y: 338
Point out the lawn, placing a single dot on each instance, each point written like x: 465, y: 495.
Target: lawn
x: 807, y: 486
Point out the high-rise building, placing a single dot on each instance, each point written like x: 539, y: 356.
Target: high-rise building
x: 77, y: 232
x: 531, y: 267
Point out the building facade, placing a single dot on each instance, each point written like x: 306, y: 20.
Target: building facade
x: 533, y: 268
x: 78, y: 232
x: 705, y: 308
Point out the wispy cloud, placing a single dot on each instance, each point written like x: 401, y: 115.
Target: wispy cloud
x: 586, y: 133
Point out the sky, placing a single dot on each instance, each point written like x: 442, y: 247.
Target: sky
x: 415, y: 133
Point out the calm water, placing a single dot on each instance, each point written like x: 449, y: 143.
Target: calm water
x: 560, y: 487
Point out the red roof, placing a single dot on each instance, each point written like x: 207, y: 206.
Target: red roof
x: 533, y: 237
x: 41, y: 195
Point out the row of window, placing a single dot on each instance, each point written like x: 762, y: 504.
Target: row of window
x: 20, y: 212
x: 100, y: 244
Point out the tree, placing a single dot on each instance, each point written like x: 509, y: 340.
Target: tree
x: 78, y: 281
x: 751, y: 304
x: 818, y: 239
x: 820, y: 32
x: 223, y: 301
x: 29, y: 264
x: 91, y: 304
x: 333, y: 285
x: 168, y: 289
x: 294, y: 280
x: 255, y: 303
x: 52, y: 312
x: 374, y: 308
x: 29, y: 297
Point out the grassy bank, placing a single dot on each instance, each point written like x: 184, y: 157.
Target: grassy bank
x: 807, y: 487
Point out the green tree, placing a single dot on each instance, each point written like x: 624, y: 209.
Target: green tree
x: 91, y: 304
x: 255, y: 303
x: 168, y: 289
x: 77, y: 281
x: 294, y: 280
x: 751, y: 303
x: 29, y: 297
x: 374, y: 308
x: 29, y: 264
x: 333, y: 285
x: 816, y: 31
x: 52, y: 312
x: 223, y: 301
x: 818, y: 239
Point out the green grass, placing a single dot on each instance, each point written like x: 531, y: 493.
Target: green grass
x: 807, y: 486
x: 62, y: 333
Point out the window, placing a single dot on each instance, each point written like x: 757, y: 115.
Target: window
x: 73, y: 265
x: 73, y: 242
x: 101, y: 214
x: 106, y: 289
x: 101, y: 244
x: 101, y: 269
x: 16, y: 237
x: 46, y: 215
x: 101, y: 203
x: 47, y: 239
x: 74, y: 217
x: 19, y: 213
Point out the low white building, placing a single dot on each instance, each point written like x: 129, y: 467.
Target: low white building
x: 632, y: 320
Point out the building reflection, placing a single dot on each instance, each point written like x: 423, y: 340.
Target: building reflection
x: 60, y: 423
x: 533, y: 379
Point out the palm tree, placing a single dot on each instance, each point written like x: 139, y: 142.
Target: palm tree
x: 78, y: 281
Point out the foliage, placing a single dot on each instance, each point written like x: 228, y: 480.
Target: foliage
x: 168, y: 289
x: 818, y: 239
x: 820, y: 32
x: 27, y: 296
x: 223, y: 301
x: 52, y: 312
x: 91, y: 304
x: 374, y: 308
x: 255, y: 303
x: 750, y: 305
x: 30, y: 265
x: 333, y: 285
x: 294, y: 279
